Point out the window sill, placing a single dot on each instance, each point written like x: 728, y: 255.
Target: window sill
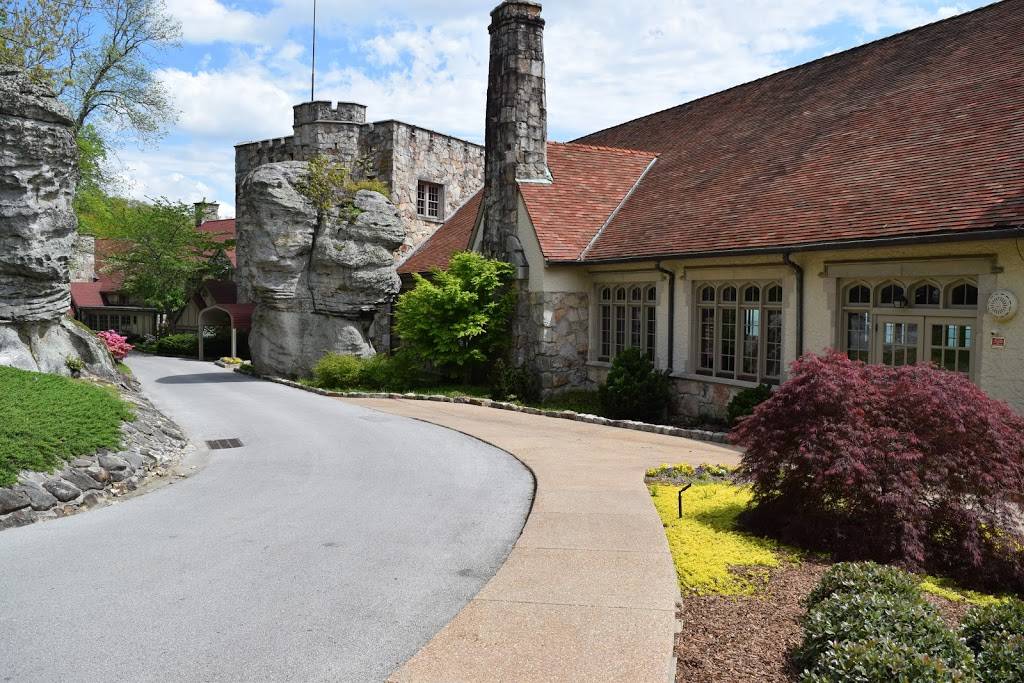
x: 711, y: 379
x: 429, y: 219
x: 598, y: 364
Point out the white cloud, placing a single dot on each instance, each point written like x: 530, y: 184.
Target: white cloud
x: 188, y: 172
x: 209, y: 21
x: 425, y: 62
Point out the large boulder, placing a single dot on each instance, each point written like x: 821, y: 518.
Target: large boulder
x: 38, y: 173
x: 319, y: 285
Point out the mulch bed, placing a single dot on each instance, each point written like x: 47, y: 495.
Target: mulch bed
x: 730, y: 639
x: 735, y: 639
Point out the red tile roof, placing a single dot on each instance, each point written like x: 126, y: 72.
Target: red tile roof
x: 222, y: 230
x: 450, y: 238
x: 920, y: 133
x: 87, y: 295
x: 589, y: 184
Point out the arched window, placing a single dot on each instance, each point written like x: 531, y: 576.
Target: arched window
x: 740, y: 331
x: 628, y: 318
x: 963, y: 295
x: 892, y: 294
x: 858, y: 295
x: 926, y: 294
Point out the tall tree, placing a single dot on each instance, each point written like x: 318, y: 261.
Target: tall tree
x: 97, y: 55
x: 162, y: 257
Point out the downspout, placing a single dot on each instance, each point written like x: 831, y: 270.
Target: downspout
x: 671, y: 312
x: 799, y: 272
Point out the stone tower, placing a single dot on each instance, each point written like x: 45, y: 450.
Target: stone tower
x: 516, y: 128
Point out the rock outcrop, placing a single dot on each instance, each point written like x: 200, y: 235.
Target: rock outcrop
x: 318, y: 286
x: 38, y: 172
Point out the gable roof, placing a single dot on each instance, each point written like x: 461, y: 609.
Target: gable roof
x: 452, y: 237
x: 917, y: 134
x: 87, y: 295
x: 589, y: 184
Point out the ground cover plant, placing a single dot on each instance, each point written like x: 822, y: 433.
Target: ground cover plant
x: 48, y: 419
x: 917, y: 455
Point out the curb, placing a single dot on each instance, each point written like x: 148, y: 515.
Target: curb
x: 696, y: 434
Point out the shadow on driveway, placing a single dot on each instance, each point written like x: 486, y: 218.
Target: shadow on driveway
x: 206, y: 378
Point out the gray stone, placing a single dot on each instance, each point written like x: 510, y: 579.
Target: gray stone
x: 134, y: 459
x: 11, y: 500
x: 39, y: 498
x: 17, y: 518
x: 62, y: 489
x: 320, y: 286
x: 113, y: 462
x: 81, y: 479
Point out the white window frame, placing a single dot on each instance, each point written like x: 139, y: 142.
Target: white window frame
x: 430, y: 200
x: 879, y: 311
x: 626, y: 316
x: 749, y: 348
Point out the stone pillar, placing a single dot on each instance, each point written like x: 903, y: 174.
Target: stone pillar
x: 516, y: 127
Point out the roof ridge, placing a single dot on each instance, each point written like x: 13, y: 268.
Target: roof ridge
x: 833, y: 56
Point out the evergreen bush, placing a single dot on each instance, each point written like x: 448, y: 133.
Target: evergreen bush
x: 744, y: 402
x: 853, y: 578
x: 635, y: 389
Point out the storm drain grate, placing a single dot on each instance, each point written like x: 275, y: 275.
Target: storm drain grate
x: 218, y: 444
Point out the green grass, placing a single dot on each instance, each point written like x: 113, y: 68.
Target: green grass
x: 711, y: 556
x: 123, y: 368
x: 47, y: 419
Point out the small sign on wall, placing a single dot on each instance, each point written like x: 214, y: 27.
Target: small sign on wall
x: 998, y: 342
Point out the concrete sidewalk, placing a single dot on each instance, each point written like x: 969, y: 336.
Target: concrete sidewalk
x: 589, y: 591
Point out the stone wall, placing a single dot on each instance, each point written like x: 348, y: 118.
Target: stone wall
x: 552, y: 338
x: 38, y: 173
x: 320, y: 284
x: 407, y: 154
x: 83, y: 259
x: 394, y: 152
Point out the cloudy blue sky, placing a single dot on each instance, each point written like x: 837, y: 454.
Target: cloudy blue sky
x: 242, y: 65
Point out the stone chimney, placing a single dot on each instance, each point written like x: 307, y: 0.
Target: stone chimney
x: 206, y: 211
x: 516, y: 128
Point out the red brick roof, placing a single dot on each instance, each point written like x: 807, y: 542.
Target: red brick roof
x: 589, y: 184
x: 450, y: 238
x: 920, y: 133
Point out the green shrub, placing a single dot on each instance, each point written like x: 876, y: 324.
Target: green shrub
x: 371, y: 185
x: 459, y: 319
x: 1002, y: 660
x: 853, y: 578
x: 337, y: 371
x: 846, y: 617
x: 744, y: 402
x: 398, y: 372
x: 635, y: 390
x: 515, y: 384
x: 998, y: 621
x: 884, y: 660
x: 183, y: 344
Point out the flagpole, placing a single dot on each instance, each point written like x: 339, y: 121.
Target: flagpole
x: 312, y: 74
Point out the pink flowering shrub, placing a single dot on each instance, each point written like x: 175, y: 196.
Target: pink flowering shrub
x: 914, y: 466
x: 116, y: 344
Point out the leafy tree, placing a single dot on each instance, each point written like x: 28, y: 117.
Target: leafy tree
x: 162, y: 257
x: 97, y: 55
x: 459, y: 318
x: 96, y: 197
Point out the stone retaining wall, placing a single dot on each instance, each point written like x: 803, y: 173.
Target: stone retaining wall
x: 151, y: 444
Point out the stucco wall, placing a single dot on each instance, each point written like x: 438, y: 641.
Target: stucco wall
x: 993, y: 264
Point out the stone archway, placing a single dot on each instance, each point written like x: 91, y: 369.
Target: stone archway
x: 238, y: 317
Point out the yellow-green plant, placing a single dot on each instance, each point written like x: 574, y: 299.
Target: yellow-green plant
x: 706, y: 546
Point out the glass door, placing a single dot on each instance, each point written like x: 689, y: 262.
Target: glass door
x: 951, y: 343
x: 899, y: 339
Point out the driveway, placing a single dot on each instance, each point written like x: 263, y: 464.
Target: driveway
x: 331, y: 546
